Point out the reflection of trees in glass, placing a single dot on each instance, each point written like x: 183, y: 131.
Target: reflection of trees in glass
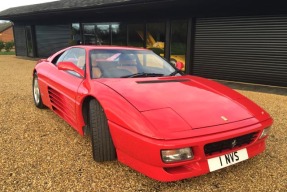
x: 89, y: 40
x: 75, y: 29
x: 119, y: 34
x: 75, y: 34
x: 178, y: 37
x: 102, y: 34
x: 89, y: 29
x: 89, y: 34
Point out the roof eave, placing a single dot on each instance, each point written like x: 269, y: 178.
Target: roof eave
x: 88, y: 8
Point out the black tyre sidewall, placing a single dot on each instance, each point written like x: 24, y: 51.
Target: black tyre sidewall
x: 102, y: 144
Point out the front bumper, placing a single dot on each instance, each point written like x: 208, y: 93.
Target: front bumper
x: 143, y: 154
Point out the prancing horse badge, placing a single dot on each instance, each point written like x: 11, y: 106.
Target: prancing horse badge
x: 224, y: 118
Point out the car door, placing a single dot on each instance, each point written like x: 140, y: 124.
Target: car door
x: 63, y: 85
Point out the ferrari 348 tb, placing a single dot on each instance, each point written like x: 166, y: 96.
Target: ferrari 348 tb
x: 146, y: 113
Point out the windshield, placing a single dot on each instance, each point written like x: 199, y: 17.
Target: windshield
x: 128, y: 64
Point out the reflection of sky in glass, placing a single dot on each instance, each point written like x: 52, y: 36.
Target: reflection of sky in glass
x: 89, y: 29
x: 115, y: 28
x: 76, y: 26
x: 103, y: 27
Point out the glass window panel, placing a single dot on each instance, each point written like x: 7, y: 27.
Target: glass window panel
x: 155, y: 38
x: 119, y: 34
x: 102, y: 34
x: 136, y: 35
x: 89, y: 29
x: 76, y: 35
x: 128, y: 63
x: 29, y: 42
x: 89, y: 34
x: 178, y: 41
x: 76, y: 56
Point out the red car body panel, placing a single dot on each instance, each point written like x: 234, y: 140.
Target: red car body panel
x: 176, y: 95
x: 147, y: 115
x: 143, y: 154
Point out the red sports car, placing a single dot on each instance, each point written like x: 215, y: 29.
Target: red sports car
x: 144, y: 112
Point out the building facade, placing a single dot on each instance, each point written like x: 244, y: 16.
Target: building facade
x: 238, y: 41
x: 6, y: 32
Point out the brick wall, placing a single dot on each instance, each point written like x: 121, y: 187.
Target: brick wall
x: 7, y: 35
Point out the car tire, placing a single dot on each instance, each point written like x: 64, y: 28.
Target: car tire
x: 102, y: 144
x: 36, y: 93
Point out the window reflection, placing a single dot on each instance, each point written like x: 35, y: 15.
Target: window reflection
x: 136, y: 35
x: 89, y: 34
x: 105, y: 34
x: 155, y: 38
x: 119, y: 34
x: 178, y: 42
x: 97, y: 34
x: 102, y: 34
x: 29, y: 42
x: 76, y: 35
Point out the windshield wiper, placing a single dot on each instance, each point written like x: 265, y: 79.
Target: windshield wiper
x: 176, y: 72
x: 144, y: 75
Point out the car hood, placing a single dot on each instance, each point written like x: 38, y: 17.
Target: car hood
x: 189, y: 100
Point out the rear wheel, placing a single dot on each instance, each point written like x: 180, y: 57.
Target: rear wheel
x: 36, y: 93
x: 102, y: 143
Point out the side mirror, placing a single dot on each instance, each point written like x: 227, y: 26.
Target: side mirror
x: 70, y: 67
x: 179, y: 65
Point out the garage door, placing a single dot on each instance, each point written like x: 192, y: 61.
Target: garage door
x: 51, y: 39
x: 247, y: 49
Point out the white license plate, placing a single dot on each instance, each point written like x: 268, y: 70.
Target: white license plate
x: 227, y: 160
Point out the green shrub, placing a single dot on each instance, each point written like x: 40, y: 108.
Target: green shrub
x: 9, y: 46
x: 2, y: 45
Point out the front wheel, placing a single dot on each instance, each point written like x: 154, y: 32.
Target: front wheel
x: 102, y: 143
x: 36, y: 93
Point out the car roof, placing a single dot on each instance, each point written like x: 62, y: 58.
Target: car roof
x: 108, y: 47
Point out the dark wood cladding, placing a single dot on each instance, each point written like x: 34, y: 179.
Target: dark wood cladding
x: 246, y: 49
x: 52, y: 38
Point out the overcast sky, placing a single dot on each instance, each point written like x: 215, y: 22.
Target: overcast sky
x: 5, y: 4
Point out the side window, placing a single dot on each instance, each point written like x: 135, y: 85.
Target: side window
x: 58, y: 58
x: 76, y: 56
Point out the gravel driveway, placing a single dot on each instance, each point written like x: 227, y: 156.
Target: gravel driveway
x: 40, y: 152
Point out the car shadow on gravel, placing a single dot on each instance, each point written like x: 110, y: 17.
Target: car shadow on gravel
x: 255, y: 87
